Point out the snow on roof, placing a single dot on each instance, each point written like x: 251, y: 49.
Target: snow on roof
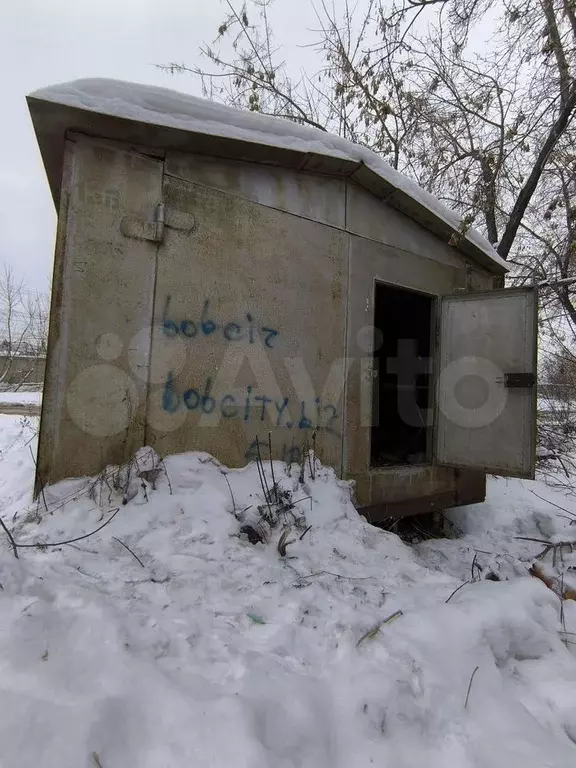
x: 157, y: 106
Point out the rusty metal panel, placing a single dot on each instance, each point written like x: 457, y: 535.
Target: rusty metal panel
x: 481, y: 423
x: 470, y: 486
x: 94, y: 401
x: 460, y: 487
x: 249, y: 333
x: 405, y: 481
x: 386, y: 511
x: 403, y: 489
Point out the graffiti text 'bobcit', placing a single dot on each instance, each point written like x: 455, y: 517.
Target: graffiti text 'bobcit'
x: 205, y: 326
x: 251, y: 407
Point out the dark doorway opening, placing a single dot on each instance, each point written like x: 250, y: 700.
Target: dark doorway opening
x: 402, y: 366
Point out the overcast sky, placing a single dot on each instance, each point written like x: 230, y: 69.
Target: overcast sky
x: 51, y: 41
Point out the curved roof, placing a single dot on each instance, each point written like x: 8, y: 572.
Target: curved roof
x: 166, y: 119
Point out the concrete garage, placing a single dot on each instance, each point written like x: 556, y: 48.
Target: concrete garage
x: 222, y: 276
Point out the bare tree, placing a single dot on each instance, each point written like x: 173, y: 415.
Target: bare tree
x: 251, y: 77
x: 23, y: 325
x: 478, y: 129
x: 481, y: 127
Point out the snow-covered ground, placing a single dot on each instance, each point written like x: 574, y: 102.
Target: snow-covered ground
x: 199, y: 648
x: 21, y: 398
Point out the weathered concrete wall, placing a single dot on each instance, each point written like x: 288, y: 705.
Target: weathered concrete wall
x: 251, y: 313
x: 319, y: 198
x: 248, y: 305
x: 93, y: 410
x: 243, y: 320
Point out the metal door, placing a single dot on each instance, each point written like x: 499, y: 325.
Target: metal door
x: 486, y: 381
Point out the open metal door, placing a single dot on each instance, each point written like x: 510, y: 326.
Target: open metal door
x: 486, y: 381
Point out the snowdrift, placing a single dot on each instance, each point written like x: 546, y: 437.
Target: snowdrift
x: 169, y: 639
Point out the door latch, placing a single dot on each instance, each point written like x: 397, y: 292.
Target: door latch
x: 518, y: 380
x: 140, y: 229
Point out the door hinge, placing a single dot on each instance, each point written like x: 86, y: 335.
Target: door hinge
x: 140, y: 229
